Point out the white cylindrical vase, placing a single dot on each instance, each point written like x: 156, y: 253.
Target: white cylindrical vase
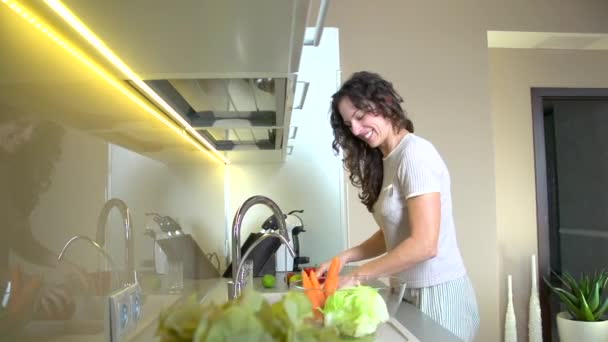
x: 535, y: 326
x: 510, y: 321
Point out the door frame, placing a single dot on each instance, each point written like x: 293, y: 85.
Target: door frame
x: 540, y: 169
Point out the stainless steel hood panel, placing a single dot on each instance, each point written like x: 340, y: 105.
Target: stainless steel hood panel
x: 162, y: 39
x: 233, y: 114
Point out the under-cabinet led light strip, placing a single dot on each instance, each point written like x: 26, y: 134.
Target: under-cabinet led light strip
x: 186, y: 131
x: 84, y: 31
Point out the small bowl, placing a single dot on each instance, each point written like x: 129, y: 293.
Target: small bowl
x: 390, y: 288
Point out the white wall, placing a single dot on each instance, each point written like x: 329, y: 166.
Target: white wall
x: 196, y: 198
x: 436, y: 54
x: 512, y: 73
x: 191, y: 194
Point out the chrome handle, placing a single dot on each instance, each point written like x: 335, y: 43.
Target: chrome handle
x: 304, y: 93
x: 320, y: 24
x: 293, y: 131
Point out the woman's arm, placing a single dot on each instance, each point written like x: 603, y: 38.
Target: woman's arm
x: 424, y: 219
x: 370, y: 248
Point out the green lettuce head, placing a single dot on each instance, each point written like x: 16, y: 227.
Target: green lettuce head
x: 356, y: 311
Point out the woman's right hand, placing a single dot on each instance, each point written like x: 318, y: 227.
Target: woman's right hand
x: 75, y: 276
x: 323, y: 267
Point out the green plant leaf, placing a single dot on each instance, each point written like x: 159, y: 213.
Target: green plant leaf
x: 586, y: 313
x: 599, y: 313
x: 561, y: 279
x: 594, y: 298
x: 571, y: 297
x: 584, y: 299
x: 572, y: 307
x: 603, y: 281
x: 572, y: 283
x: 582, y: 285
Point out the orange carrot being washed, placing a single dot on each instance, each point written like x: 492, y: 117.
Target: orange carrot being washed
x: 313, y: 295
x: 314, y: 280
x: 331, y: 281
x: 315, y: 283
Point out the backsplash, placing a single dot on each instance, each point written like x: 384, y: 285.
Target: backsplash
x: 55, y: 181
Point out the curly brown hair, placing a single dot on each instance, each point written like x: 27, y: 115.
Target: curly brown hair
x: 367, y: 91
x: 28, y: 171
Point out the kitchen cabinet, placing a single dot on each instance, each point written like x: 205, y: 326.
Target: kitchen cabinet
x: 187, y: 41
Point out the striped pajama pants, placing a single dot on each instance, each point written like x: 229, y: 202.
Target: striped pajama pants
x: 451, y: 304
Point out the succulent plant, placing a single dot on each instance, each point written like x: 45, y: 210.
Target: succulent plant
x: 585, y: 298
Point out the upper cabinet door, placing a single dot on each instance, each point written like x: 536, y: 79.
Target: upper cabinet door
x: 200, y: 38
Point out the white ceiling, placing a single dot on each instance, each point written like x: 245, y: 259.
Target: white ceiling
x: 547, y: 40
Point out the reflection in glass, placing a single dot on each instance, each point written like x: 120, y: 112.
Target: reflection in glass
x: 29, y: 150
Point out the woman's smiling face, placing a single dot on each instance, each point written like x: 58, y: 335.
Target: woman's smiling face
x: 367, y: 125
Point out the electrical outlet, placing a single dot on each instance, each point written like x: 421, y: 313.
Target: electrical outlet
x: 136, y: 304
x: 124, y: 310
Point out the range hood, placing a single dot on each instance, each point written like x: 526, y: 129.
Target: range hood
x: 228, y: 68
x: 233, y: 114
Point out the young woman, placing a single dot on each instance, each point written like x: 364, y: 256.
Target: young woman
x: 406, y: 186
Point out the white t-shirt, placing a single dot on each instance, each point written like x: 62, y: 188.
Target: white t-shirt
x: 414, y: 168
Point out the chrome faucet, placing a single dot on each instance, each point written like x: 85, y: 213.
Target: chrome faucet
x: 128, y: 233
x: 103, y: 252
x: 235, y: 286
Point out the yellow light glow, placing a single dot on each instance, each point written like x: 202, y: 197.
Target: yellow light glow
x: 38, y: 24
x: 87, y: 34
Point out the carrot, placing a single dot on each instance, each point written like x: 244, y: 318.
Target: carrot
x: 313, y: 295
x: 331, y: 282
x: 315, y: 283
x: 22, y: 298
x: 314, y: 280
x: 16, y: 277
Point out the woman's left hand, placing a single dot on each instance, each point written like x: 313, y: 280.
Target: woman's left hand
x: 75, y: 276
x: 54, y: 303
